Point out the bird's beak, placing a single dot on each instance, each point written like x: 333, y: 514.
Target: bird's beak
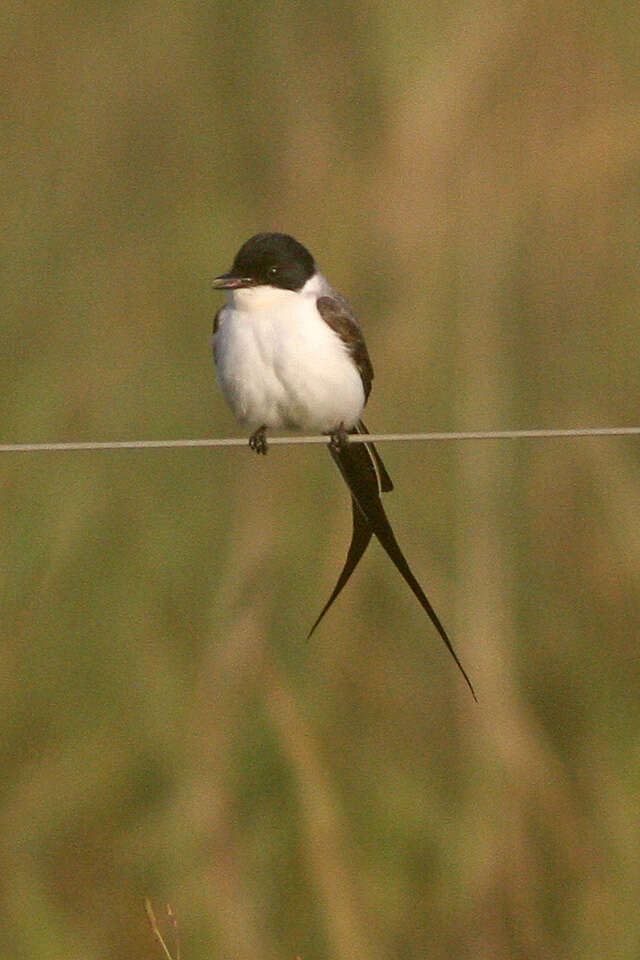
x: 228, y: 282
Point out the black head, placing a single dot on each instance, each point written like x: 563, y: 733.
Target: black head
x: 269, y: 259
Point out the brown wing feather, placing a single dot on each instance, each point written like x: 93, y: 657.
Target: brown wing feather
x: 336, y: 313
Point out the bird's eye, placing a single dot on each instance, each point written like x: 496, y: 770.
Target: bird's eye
x: 273, y: 271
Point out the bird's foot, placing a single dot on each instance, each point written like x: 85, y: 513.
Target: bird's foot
x: 339, y: 439
x: 258, y: 440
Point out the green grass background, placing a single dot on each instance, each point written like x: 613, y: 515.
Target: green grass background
x: 468, y: 175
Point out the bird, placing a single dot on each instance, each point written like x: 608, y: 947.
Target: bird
x: 289, y: 353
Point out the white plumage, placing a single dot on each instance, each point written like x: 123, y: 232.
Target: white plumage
x: 279, y: 364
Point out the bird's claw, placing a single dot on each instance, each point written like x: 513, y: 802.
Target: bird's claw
x: 338, y: 439
x: 258, y: 440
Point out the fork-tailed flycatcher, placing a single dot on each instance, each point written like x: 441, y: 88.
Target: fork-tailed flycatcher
x: 289, y: 353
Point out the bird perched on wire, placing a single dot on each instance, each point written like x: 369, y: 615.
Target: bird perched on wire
x: 289, y: 353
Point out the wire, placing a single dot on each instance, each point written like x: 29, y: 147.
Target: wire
x: 355, y: 438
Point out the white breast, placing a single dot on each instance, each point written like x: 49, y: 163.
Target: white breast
x: 281, y: 365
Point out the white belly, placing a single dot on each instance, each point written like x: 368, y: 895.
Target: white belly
x: 286, y: 368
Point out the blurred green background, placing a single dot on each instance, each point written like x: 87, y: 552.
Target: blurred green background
x: 468, y: 174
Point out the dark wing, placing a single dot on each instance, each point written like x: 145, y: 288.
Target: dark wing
x: 335, y: 312
x: 216, y: 325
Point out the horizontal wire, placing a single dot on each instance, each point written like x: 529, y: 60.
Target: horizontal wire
x: 353, y: 438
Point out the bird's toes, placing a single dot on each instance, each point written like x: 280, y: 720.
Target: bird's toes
x: 339, y: 438
x: 258, y: 440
